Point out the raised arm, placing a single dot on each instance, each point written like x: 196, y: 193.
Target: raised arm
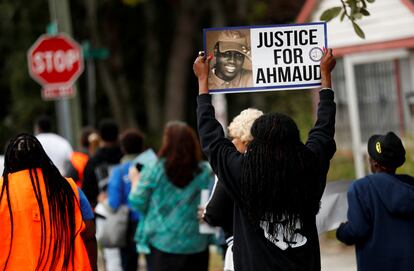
x: 328, y: 63
x: 321, y: 137
x: 224, y: 159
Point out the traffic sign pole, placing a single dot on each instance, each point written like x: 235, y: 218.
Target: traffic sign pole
x: 67, y: 111
x: 91, y: 54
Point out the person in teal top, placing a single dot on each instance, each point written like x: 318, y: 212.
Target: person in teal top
x: 168, y: 195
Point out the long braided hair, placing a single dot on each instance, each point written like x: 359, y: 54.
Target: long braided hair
x: 26, y: 152
x: 278, y: 175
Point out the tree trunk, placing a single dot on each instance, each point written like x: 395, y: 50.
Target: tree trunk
x: 179, y: 62
x: 117, y: 91
x: 128, y: 118
x: 110, y: 91
x: 151, y: 80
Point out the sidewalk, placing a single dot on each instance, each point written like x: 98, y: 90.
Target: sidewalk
x: 336, y: 256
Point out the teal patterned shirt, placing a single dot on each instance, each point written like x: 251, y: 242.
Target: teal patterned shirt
x: 169, y: 214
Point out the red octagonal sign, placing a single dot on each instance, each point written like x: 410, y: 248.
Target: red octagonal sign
x: 55, y: 61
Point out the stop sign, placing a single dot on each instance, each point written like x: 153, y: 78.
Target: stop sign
x: 55, y: 60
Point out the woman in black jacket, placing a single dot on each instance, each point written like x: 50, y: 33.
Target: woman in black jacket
x: 277, y: 184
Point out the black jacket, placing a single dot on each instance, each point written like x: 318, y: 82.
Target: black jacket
x: 219, y: 210
x: 252, y: 250
x: 98, y: 169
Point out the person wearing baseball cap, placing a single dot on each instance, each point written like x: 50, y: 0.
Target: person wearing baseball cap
x: 381, y: 210
x: 232, y: 68
x: 386, y: 152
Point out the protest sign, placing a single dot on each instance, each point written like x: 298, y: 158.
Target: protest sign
x: 263, y: 58
x: 334, y: 206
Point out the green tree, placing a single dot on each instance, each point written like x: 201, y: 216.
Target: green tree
x: 147, y: 78
x: 21, y: 23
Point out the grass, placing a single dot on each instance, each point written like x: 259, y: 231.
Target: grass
x: 216, y: 261
x: 342, y: 166
x: 408, y: 167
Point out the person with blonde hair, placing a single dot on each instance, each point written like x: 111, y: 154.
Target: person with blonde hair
x: 219, y: 209
x: 239, y: 128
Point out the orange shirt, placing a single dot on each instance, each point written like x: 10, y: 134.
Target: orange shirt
x: 27, y: 230
x: 79, y: 161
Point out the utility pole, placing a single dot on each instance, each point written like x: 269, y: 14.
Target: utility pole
x: 67, y: 110
x: 91, y: 55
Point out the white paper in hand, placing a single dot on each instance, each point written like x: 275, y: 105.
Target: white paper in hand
x: 334, y: 206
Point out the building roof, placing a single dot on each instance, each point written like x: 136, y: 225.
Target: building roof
x: 390, y: 25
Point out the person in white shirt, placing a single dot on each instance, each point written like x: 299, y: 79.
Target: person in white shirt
x: 1, y: 163
x: 57, y: 147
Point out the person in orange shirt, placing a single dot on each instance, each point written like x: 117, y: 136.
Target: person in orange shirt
x: 79, y: 158
x: 40, y: 216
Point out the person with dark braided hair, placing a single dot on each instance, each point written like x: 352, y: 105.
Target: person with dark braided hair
x: 40, y: 214
x: 277, y: 183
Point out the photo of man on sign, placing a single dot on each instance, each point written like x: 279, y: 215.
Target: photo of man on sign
x: 231, y: 65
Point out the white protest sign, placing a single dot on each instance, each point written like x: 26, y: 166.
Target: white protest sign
x: 204, y: 228
x: 263, y: 58
x: 334, y: 206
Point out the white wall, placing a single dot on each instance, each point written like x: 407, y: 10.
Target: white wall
x: 389, y: 20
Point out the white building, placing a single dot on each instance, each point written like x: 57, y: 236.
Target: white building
x: 374, y: 77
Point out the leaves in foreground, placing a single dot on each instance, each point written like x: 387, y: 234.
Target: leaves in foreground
x: 354, y: 10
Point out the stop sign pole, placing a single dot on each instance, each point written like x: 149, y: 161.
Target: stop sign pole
x: 68, y: 112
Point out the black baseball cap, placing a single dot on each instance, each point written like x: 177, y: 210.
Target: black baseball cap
x: 387, y: 150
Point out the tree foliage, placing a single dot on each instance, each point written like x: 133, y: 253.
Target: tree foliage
x: 354, y: 10
x: 21, y: 23
x: 147, y: 78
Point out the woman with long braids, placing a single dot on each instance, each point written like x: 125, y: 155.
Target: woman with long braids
x: 277, y: 183
x: 167, y: 195
x: 40, y: 217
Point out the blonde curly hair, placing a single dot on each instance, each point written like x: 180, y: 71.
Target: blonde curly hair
x: 242, y: 123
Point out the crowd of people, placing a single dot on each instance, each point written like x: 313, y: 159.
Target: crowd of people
x: 266, y: 186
